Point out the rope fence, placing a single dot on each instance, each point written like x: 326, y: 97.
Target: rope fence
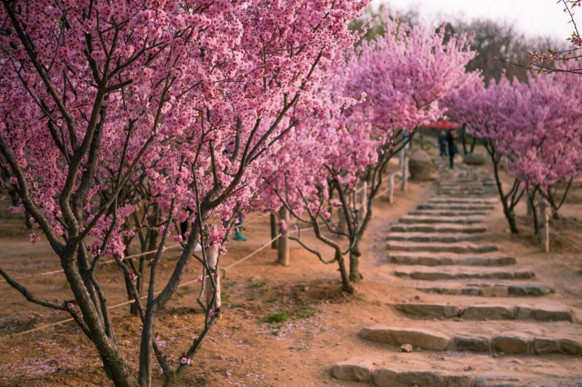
x: 171, y: 247
x: 116, y: 306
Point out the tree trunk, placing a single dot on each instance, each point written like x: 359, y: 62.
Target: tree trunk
x: 363, y: 200
x: 464, y: 139
x: 212, y: 291
x: 139, y: 284
x: 114, y: 365
x: 355, y: 275
x: 510, y: 216
x: 346, y: 284
x: 534, y: 213
x: 507, y: 210
x: 342, y: 222
x: 116, y: 370
x: 273, y: 221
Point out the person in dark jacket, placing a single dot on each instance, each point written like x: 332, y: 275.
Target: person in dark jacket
x: 452, y: 147
x: 443, y: 143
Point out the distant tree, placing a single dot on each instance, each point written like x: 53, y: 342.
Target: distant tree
x: 500, y: 49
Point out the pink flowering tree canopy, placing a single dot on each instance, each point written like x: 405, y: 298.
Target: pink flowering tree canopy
x: 179, y: 98
x: 533, y: 129
x: 387, y: 86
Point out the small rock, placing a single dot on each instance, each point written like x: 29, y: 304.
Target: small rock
x: 406, y: 348
x: 468, y: 368
x: 474, y: 159
x: 421, y: 166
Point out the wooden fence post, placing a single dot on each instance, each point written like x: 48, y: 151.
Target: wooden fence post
x: 404, y: 171
x: 283, y: 245
x: 363, y: 200
x: 391, y: 188
x: 545, y: 229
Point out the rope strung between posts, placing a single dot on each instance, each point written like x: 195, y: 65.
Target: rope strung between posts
x: 61, y: 322
x: 47, y: 273
x: 171, y: 247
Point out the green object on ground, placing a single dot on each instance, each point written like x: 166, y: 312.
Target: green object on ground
x: 239, y: 237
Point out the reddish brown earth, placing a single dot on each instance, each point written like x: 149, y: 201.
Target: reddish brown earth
x: 242, y: 349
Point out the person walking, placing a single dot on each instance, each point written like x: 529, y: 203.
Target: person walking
x: 452, y: 148
x: 443, y: 143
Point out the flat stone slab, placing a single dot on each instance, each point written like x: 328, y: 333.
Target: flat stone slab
x: 484, y: 312
x: 439, y: 228
x: 432, y: 237
x: 412, y: 219
x: 430, y: 259
x: 450, y: 370
x: 454, y: 207
x: 405, y: 378
x: 437, y: 247
x: 420, y: 338
x: 465, y: 192
x: 491, y: 290
x: 463, y: 201
x: 447, y: 213
x: 398, y: 377
x: 485, y: 337
x: 529, y: 290
x: 455, y: 273
x: 454, y: 195
x: 354, y: 371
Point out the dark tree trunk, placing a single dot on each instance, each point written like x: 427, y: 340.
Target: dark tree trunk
x: 355, y: 275
x: 273, y: 221
x: 346, y: 284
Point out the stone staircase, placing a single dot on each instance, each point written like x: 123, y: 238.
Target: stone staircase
x: 484, y: 320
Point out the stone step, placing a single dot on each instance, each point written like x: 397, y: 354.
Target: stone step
x: 438, y: 228
x: 447, y: 213
x: 461, y: 273
x: 457, y: 247
x: 472, y: 182
x: 466, y: 201
x: 432, y: 237
x: 467, y: 192
x: 411, y: 219
x: 464, y: 189
x: 460, y: 195
x: 455, y: 207
x: 475, y: 184
x: 449, y: 260
x: 507, y: 337
x: 468, y: 184
x: 451, y: 370
x: 492, y: 290
x: 487, y: 311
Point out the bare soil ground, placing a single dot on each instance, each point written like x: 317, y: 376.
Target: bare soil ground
x: 243, y: 348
